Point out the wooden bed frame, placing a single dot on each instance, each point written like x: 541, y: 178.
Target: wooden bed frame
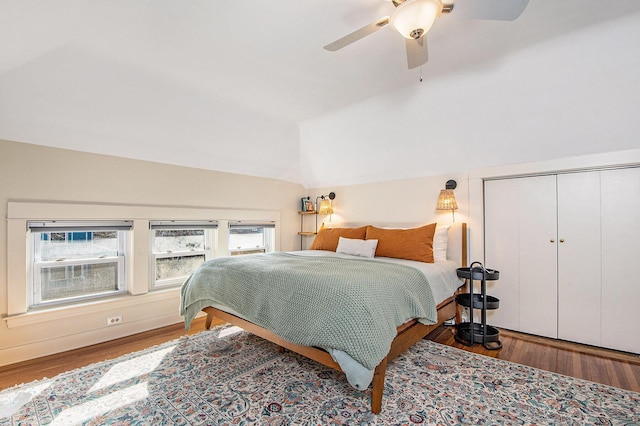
x: 408, y: 334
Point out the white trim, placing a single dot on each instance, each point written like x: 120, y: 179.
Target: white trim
x: 628, y: 158
x: 39, y: 316
x: 21, y: 212
x: 617, y: 159
x: 69, y: 211
x: 59, y: 344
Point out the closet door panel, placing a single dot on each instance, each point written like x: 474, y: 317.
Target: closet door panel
x: 538, y: 258
x: 620, y: 196
x: 579, y: 257
x: 501, y: 250
x: 520, y: 233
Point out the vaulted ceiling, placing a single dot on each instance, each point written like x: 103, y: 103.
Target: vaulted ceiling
x: 130, y: 77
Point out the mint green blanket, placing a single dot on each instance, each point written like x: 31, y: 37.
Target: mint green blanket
x: 354, y: 305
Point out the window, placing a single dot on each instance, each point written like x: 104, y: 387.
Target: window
x: 178, y: 248
x: 76, y: 260
x: 247, y: 238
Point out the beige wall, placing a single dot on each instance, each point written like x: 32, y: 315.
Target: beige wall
x: 395, y: 203
x: 33, y: 173
x: 30, y: 173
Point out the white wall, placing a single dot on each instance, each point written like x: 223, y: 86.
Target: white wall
x: 58, y: 182
x: 399, y: 203
x: 575, y: 94
x: 409, y: 201
x: 147, y: 116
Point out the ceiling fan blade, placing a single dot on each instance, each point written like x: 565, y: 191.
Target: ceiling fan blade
x: 501, y: 10
x: 417, y: 53
x: 357, y: 34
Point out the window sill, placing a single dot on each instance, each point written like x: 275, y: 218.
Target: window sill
x: 69, y: 311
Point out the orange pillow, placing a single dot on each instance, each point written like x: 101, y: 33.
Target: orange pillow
x: 327, y: 238
x: 411, y: 244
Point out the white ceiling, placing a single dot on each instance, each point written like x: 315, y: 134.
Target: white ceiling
x: 80, y: 71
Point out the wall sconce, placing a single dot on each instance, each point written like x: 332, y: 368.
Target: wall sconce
x: 446, y: 199
x: 325, y: 207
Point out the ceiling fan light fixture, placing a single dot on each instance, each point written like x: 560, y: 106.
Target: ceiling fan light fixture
x: 413, y: 18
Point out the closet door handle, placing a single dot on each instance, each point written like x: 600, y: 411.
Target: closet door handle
x: 561, y: 240
x: 552, y: 240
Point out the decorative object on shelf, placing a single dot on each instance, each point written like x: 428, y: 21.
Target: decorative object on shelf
x: 307, y: 205
x: 324, y: 207
x: 471, y: 332
x: 303, y: 205
x: 447, y: 200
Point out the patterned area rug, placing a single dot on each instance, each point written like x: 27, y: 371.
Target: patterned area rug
x: 226, y: 376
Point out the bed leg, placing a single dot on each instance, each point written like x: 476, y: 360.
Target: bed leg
x: 378, y: 386
x: 208, y: 321
x: 458, y: 308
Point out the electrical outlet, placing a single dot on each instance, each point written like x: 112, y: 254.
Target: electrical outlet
x: 114, y: 320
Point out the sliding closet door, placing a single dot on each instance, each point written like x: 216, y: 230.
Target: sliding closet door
x: 579, y: 257
x: 520, y: 241
x: 620, y: 196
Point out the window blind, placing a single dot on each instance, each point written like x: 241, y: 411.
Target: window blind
x: 183, y: 224
x: 79, y: 226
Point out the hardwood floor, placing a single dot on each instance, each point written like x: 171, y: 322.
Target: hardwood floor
x: 613, y: 368
x: 598, y: 365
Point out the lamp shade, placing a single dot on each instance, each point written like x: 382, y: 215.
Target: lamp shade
x: 414, y: 18
x: 446, y: 200
x: 325, y: 207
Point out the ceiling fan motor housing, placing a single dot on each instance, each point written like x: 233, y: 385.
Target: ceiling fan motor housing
x: 413, y: 18
x: 417, y: 33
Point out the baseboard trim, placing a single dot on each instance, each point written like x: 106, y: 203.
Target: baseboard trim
x: 572, y: 346
x: 39, y: 349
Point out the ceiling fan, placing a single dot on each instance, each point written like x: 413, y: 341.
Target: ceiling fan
x: 413, y: 19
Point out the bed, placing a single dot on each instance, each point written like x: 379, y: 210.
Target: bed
x: 369, y: 343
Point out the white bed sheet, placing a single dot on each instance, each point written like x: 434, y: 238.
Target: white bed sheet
x: 442, y: 276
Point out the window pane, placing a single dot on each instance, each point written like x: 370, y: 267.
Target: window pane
x: 77, y: 262
x: 177, y: 267
x: 248, y: 240
x: 244, y: 238
x: 178, y: 253
x: 167, y: 241
x: 76, y: 245
x: 59, y: 282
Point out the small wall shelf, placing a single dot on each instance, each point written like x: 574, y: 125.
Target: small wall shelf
x: 304, y: 233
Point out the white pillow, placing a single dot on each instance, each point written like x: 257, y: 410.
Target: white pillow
x: 440, y: 239
x: 362, y: 248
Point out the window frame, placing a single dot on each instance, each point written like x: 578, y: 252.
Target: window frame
x: 266, y: 247
x: 35, y: 229
x: 19, y: 213
x: 210, y: 241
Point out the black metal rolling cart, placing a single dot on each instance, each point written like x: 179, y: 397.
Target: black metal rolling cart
x: 472, y: 332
